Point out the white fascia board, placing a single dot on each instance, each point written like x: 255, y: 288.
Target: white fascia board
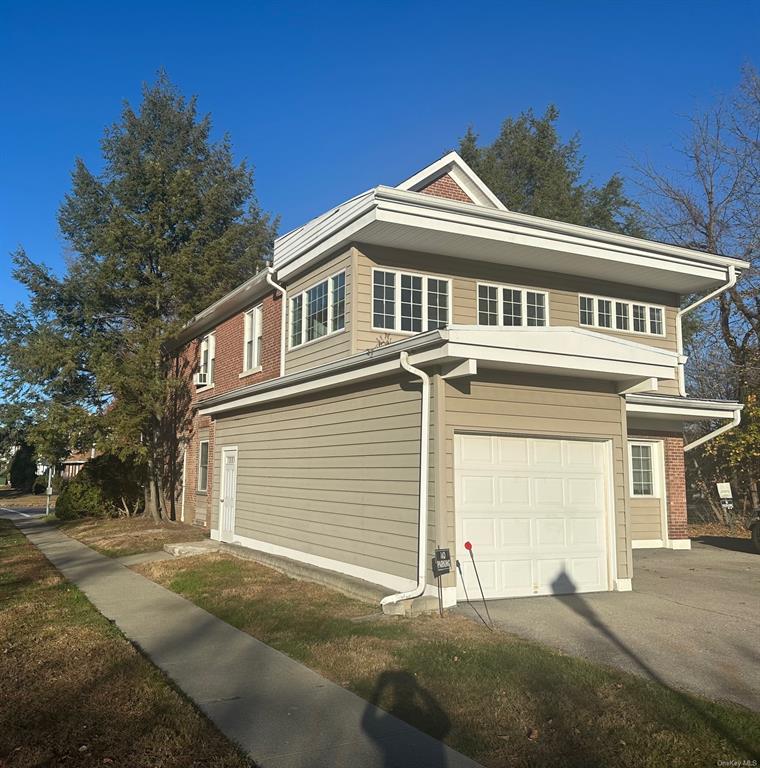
x: 680, y: 413
x: 469, y: 224
x: 313, y: 385
x: 685, y: 402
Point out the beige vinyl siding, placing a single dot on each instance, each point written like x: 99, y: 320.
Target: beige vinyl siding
x: 522, y: 404
x: 646, y: 518
x: 563, y: 291
x: 333, y: 346
x: 335, y: 475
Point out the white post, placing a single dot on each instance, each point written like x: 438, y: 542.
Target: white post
x: 48, y: 491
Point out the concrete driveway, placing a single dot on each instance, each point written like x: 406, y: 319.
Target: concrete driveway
x: 692, y: 621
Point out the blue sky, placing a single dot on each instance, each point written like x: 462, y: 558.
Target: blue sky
x: 328, y: 99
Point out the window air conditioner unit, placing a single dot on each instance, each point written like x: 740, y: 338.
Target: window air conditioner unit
x: 200, y: 379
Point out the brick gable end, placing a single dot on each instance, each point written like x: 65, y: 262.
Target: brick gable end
x: 445, y: 186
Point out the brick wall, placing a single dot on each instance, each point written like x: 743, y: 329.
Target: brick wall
x: 228, y: 365
x: 445, y: 186
x: 675, y: 479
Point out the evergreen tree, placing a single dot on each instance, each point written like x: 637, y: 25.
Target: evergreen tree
x: 169, y: 226
x: 531, y: 170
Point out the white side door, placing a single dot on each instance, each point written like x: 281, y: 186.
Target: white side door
x: 228, y: 494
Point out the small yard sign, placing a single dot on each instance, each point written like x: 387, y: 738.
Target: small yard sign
x: 441, y: 562
x: 724, y: 490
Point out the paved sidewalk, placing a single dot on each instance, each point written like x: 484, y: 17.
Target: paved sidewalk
x: 283, y: 714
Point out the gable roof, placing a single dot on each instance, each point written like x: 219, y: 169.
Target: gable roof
x: 460, y: 173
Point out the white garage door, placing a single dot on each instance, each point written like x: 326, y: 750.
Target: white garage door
x: 534, y: 510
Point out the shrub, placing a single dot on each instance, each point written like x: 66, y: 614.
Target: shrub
x: 40, y: 484
x: 98, y: 489
x: 23, y: 468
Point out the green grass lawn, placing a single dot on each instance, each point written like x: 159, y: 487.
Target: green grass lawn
x: 74, y: 691
x: 501, y: 700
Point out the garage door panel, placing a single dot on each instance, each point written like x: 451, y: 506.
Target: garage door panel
x: 548, y: 491
x: 515, y: 533
x: 550, y: 532
x: 516, y: 577
x: 513, y: 491
x: 477, y: 489
x: 480, y: 529
x: 534, y: 510
x: 546, y: 453
x: 475, y: 449
x: 586, y: 531
x: 584, y: 492
x: 513, y: 450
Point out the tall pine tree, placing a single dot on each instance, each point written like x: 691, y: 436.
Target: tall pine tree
x: 531, y: 170
x: 169, y: 225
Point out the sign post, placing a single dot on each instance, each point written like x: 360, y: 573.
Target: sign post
x: 49, y: 491
x: 441, y: 566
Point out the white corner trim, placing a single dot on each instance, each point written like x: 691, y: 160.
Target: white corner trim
x: 388, y: 580
x: 622, y: 585
x: 678, y: 544
x: 647, y: 544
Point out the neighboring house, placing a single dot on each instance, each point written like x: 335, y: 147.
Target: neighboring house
x: 72, y: 465
x: 526, y: 374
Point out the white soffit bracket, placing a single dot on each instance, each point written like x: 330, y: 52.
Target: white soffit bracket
x: 645, y: 385
x: 468, y: 367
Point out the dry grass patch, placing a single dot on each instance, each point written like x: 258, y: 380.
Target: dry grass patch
x: 13, y: 499
x: 695, y: 530
x: 118, y: 537
x: 501, y: 700
x: 75, y: 691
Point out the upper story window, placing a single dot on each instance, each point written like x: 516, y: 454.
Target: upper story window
x: 619, y: 315
x: 318, y: 311
x: 205, y: 375
x: 252, y: 335
x: 509, y: 306
x: 409, y: 303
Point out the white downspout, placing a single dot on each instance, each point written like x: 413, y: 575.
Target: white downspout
x: 184, y: 483
x: 423, y: 491
x: 730, y: 283
x: 283, y: 317
x: 719, y: 431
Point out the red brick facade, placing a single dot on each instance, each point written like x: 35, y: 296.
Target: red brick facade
x: 445, y: 186
x: 675, y: 480
x: 228, y: 367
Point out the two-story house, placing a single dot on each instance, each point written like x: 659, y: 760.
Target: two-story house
x: 421, y: 367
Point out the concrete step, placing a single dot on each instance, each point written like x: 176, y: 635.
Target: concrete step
x: 192, y: 548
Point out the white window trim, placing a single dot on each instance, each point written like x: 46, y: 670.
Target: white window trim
x: 304, y: 307
x: 500, y: 304
x: 208, y: 463
x: 397, y: 300
x: 630, y: 303
x: 657, y: 469
x: 210, y: 341
x: 256, y: 312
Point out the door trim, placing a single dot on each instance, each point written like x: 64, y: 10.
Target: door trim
x: 225, y: 450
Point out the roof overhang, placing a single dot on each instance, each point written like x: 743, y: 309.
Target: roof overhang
x: 663, y: 412
x: 557, y: 351
x: 418, y: 222
x: 242, y: 297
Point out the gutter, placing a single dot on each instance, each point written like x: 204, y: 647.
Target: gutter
x: 423, y: 489
x: 730, y: 283
x: 283, y: 317
x: 719, y: 431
